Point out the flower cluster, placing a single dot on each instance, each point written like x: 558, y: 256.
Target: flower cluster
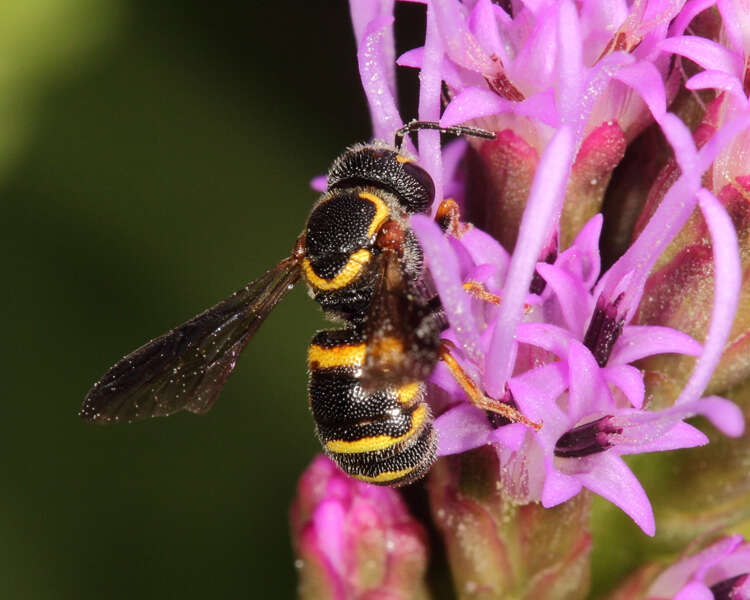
x: 610, y: 358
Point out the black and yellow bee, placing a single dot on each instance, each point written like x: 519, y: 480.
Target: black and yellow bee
x: 363, y: 265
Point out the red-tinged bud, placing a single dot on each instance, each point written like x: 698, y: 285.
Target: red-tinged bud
x: 500, y: 176
x: 599, y: 154
x: 354, y: 540
x: 501, y: 172
x: 500, y: 549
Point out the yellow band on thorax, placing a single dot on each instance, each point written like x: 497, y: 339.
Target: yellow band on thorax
x: 344, y: 277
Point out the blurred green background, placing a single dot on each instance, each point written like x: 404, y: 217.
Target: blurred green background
x: 154, y: 157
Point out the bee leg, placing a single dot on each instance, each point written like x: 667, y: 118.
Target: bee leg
x: 448, y: 217
x: 480, y: 292
x: 475, y: 395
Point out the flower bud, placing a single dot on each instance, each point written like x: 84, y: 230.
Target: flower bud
x: 354, y: 540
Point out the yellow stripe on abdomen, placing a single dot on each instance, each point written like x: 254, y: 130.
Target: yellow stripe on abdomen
x: 375, y: 443
x: 344, y: 355
x: 385, y: 476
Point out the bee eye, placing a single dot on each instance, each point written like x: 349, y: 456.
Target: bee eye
x: 424, y: 191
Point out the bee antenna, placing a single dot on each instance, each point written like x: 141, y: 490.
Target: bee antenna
x: 454, y: 130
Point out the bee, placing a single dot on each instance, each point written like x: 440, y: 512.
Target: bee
x: 362, y: 263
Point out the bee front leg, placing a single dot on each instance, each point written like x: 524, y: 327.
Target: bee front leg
x: 448, y: 217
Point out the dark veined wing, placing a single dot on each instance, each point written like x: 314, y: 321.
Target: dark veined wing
x: 402, y: 329
x: 186, y: 368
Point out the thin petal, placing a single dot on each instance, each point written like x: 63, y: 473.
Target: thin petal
x: 707, y: 53
x: 539, y: 217
x: 474, y: 103
x: 629, y: 380
x: 679, y: 436
x: 510, y: 436
x: 374, y: 69
x: 461, y: 428
x: 717, y: 80
x: 547, y: 336
x: 638, y: 341
x: 485, y: 250
x: 445, y: 272
x: 585, y: 386
x: 576, y: 303
x: 727, y: 281
x: 645, y: 79
x: 430, y: 91
x: 724, y: 414
x: 558, y: 488
x: 612, y: 479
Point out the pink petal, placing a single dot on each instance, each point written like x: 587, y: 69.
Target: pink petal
x: 689, y: 11
x: 539, y: 217
x: 460, y: 45
x: 724, y: 414
x: 638, y: 341
x: 584, y: 397
x: 483, y: 25
x: 461, y: 428
x: 474, y: 103
x: 694, y: 590
x: 612, y: 479
x: 442, y: 378
x: 586, y: 250
x: 319, y: 183
x: 629, y: 380
x: 681, y: 139
x: 510, y: 436
x: 444, y: 267
x: 485, y: 250
x: 727, y: 281
x: 717, y: 80
x: 720, y: 140
x: 708, y: 54
x: 645, y: 79
x: 535, y: 393
x: 569, y: 63
x: 547, y: 336
x: 375, y: 65
x: 430, y: 91
x: 576, y: 303
x: 413, y: 58
x: 558, y: 488
x: 680, y: 435
x: 733, y: 22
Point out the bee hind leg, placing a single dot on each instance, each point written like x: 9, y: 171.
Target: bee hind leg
x: 476, y: 396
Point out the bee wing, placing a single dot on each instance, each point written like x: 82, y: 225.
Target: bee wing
x: 402, y: 329
x: 186, y: 368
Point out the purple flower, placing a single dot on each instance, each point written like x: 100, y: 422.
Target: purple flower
x: 720, y: 572
x: 564, y: 356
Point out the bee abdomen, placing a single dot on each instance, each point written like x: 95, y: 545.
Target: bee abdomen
x: 383, y: 437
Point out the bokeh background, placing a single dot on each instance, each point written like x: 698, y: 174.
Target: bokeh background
x: 154, y: 157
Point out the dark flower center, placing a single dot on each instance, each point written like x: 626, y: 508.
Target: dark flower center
x: 724, y: 590
x: 537, y: 281
x: 586, y: 439
x: 604, y: 329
